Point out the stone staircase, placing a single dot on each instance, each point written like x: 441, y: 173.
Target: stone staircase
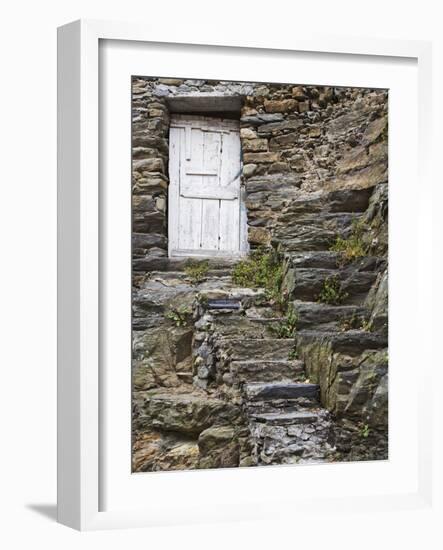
x: 273, y: 376
x: 282, y: 409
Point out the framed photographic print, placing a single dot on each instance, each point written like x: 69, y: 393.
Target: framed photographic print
x: 235, y: 244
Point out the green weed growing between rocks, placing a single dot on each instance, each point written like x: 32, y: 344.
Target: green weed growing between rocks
x: 197, y: 271
x: 180, y: 316
x: 353, y: 247
x: 286, y: 328
x: 262, y: 269
x: 331, y: 292
x: 364, y: 431
x: 355, y: 322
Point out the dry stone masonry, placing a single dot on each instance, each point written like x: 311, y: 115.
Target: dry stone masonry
x: 217, y: 382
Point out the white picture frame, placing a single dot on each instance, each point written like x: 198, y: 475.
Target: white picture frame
x: 80, y: 413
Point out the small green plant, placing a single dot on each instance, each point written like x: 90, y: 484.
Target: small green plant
x: 261, y: 269
x: 350, y: 323
x: 331, y: 292
x: 180, y: 316
x: 286, y: 328
x: 353, y: 247
x: 355, y: 322
x: 365, y: 430
x: 293, y: 354
x: 197, y: 271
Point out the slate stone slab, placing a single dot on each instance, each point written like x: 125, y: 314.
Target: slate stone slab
x: 281, y: 391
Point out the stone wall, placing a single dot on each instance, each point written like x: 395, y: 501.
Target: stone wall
x: 295, y: 140
x: 315, y: 162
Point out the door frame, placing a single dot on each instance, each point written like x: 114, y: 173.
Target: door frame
x: 185, y: 121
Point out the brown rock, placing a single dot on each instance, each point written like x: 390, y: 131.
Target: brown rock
x: 247, y: 133
x: 287, y: 139
x: 303, y: 106
x: 298, y: 92
x: 363, y: 179
x: 278, y: 168
x: 280, y: 106
x: 378, y: 152
x: 259, y: 235
x: 315, y: 131
x: 248, y: 111
x: 154, y: 452
x: 218, y: 448
x: 154, y: 359
x: 170, y: 81
x: 374, y: 130
x: 255, y: 145
x: 354, y: 159
x: 155, y: 113
x: 182, y: 456
x: 249, y: 170
x: 259, y: 158
x: 148, y: 165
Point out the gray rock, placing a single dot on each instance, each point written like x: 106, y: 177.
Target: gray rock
x: 186, y: 413
x: 261, y: 118
x: 257, y: 370
x: 277, y: 390
x: 275, y: 349
x: 325, y: 316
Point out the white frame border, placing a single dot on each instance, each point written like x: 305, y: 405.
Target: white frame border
x: 78, y: 254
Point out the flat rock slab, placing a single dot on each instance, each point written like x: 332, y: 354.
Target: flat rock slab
x: 271, y: 348
x: 235, y: 325
x: 281, y: 391
x: 186, y: 413
x: 308, y: 282
x: 317, y: 259
x: 285, y: 418
x: 266, y: 371
x: 315, y: 314
x: 352, y: 342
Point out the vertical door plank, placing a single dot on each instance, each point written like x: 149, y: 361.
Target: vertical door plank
x: 190, y: 209
x: 210, y: 207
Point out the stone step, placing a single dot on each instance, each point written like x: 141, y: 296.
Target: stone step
x: 164, y: 264
x: 350, y: 342
x: 167, y: 275
x: 247, y: 297
x: 307, y: 238
x: 266, y: 371
x: 271, y: 348
x: 295, y: 404
x: 285, y: 418
x: 328, y: 317
x: 186, y: 377
x: 280, y: 390
x: 327, y: 259
x: 236, y: 324
x: 323, y: 259
x: 309, y: 282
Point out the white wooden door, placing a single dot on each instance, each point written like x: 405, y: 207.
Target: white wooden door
x: 206, y: 211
